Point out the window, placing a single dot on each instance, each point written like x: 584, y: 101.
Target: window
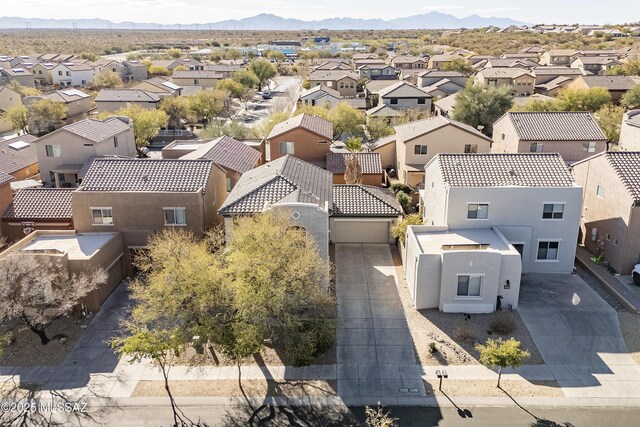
x: 174, y: 216
x: 195, y: 81
x: 503, y: 136
x: 52, y: 150
x: 537, y: 147
x: 102, y: 216
x: 351, y: 86
x: 286, y: 148
x: 548, y: 250
x: 59, y: 73
x: 84, y: 82
x: 553, y: 211
x: 267, y: 151
x: 471, y: 148
x: 394, y: 101
x: 600, y: 192
x: 478, y: 211
x: 421, y: 101
x: 323, y: 142
x: 589, y: 147
x: 115, y: 142
x: 341, y: 85
x: 420, y: 149
x: 469, y: 286
x: 68, y: 73
x: 228, y: 184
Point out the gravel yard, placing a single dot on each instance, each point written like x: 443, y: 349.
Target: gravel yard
x: 455, y: 335
x: 630, y: 327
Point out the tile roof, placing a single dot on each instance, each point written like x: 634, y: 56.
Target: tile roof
x: 597, y: 60
x: 126, y: 95
x: 40, y: 203
x: 364, y: 201
x: 438, y: 73
x: 507, y: 73
x: 66, y: 96
x: 501, y: 170
x: 15, y: 155
x: 560, y: 71
x: 626, y: 164
x: 409, y: 59
x: 370, y: 163
x: 283, y: 180
x: 612, y: 82
x: 93, y: 130
x: 147, y: 175
x: 331, y: 75
x: 228, y: 153
x: 556, y: 126
x: 5, y: 178
x: 197, y: 74
x: 510, y: 63
x: 384, y: 110
x: 418, y: 128
x: 403, y: 90
x: 314, y: 124
x: 321, y: 88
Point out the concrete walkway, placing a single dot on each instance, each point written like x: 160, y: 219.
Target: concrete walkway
x: 578, y: 336
x: 376, y: 356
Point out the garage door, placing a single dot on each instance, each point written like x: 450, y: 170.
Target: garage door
x: 360, y: 232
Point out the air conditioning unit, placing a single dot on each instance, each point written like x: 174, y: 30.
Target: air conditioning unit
x: 594, y: 234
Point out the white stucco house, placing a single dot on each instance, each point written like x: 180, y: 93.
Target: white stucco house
x: 630, y: 131
x: 479, y: 212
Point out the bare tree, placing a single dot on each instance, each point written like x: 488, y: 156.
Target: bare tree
x: 38, y: 289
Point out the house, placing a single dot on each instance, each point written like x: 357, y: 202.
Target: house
x: 8, y: 99
x: 532, y: 56
x: 166, y: 193
x: 70, y: 74
x: 438, y: 61
x: 345, y: 82
x: 196, y: 78
x: 574, y: 135
x: 431, y: 77
x: 133, y: 71
x: 332, y: 65
x: 386, y: 147
x: 226, y: 70
x: 489, y: 218
x: 551, y: 88
x: 320, y: 95
x: 363, y: 214
x: 304, y: 136
x: 442, y: 89
x: 77, y: 102
x: 616, y: 85
x: 37, y: 209
x: 418, y: 142
x: 630, y: 131
x: 386, y: 112
x: 6, y: 193
x: 172, y: 64
x: 410, y: 62
x: 546, y: 74
x: 378, y: 72
x: 18, y: 157
x: 63, y: 152
x: 445, y: 106
x: 115, y: 99
x: 160, y: 87
x: 300, y: 190
x: 610, y: 222
x: 232, y: 156
x: 520, y: 81
x: 558, y: 57
x: 42, y: 73
x: 362, y: 62
x: 406, y: 96
x: 509, y: 63
x: 597, y: 65
x: 19, y: 74
x: 372, y: 173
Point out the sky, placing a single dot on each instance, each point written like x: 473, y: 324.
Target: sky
x: 204, y: 11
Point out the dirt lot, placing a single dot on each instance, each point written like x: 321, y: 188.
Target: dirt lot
x: 487, y: 388
x: 455, y: 335
x: 630, y: 327
x: 26, y: 350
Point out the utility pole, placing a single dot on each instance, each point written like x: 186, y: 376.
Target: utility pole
x: 28, y: 25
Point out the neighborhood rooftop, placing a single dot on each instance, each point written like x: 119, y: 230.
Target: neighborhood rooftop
x: 370, y: 162
x: 126, y: 95
x: 364, y: 200
x: 155, y: 175
x: 503, y: 170
x: 627, y: 167
x: 315, y: 124
x: 228, y: 153
x: 40, y: 203
x: 17, y: 153
x: 556, y: 126
x: 96, y: 130
x: 421, y: 127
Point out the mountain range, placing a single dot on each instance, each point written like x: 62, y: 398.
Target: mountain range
x: 431, y: 20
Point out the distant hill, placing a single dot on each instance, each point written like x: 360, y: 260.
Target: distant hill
x: 431, y: 20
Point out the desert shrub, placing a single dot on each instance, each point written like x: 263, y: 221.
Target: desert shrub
x: 503, y: 324
x: 463, y: 333
x: 433, y: 347
x: 398, y: 186
x: 400, y: 229
x: 405, y: 201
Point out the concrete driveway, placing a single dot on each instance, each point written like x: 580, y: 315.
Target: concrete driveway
x: 578, y: 336
x: 376, y: 357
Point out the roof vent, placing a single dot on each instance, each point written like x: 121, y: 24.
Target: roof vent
x: 145, y: 178
x: 512, y: 172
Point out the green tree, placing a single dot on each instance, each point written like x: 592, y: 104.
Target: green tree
x: 378, y: 128
x: 157, y: 70
x: 146, y: 122
x: 46, y: 115
x: 460, y: 65
x: 379, y: 417
x: 353, y: 168
x: 233, y: 54
x: 235, y: 89
x: 629, y: 68
x: 400, y: 229
x: 346, y: 120
x: 23, y: 90
x: 89, y: 56
x: 234, y: 129
x: 500, y: 354
x: 205, y: 105
x: 177, y: 109
x: 306, y: 84
x: 582, y: 99
x: 174, y: 53
x: 263, y: 70
x: 106, y: 80
x: 537, y: 105
x: 246, y: 78
x: 480, y: 106
x: 276, y: 54
x: 609, y: 118
x: 631, y: 99
x: 18, y: 117
x: 405, y: 201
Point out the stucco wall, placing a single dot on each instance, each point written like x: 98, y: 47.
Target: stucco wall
x: 308, y: 146
x: 314, y: 220
x: 629, y: 135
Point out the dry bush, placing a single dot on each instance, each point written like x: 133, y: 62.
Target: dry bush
x: 463, y: 333
x: 503, y: 324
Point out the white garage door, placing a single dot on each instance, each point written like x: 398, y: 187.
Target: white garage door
x: 360, y: 231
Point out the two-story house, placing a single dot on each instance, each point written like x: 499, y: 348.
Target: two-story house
x: 438, y: 61
x: 597, y: 65
x: 345, y: 82
x: 165, y: 193
x: 418, y: 142
x: 404, y: 95
x: 77, y: 102
x: 21, y: 75
x: 8, y: 99
x: 410, y: 62
x: 521, y: 81
x: 196, y: 78
x: 575, y: 135
x: 616, y: 85
x: 18, y: 157
x: 70, y: 74
x: 431, y: 77
x: 114, y: 99
x: 378, y: 72
x: 558, y: 57
x: 42, y: 73
x: 63, y: 152
x: 610, y: 222
x: 133, y: 71
x: 320, y: 96
x: 303, y: 136
x: 488, y: 218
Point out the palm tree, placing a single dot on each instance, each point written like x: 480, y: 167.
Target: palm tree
x: 353, y: 170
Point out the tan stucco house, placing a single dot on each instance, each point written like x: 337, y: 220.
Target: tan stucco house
x: 304, y: 136
x: 345, y: 82
x: 8, y: 99
x: 630, y: 131
x: 520, y: 81
x: 111, y: 100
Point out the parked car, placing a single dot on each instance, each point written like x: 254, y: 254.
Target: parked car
x: 636, y: 274
x: 266, y: 95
